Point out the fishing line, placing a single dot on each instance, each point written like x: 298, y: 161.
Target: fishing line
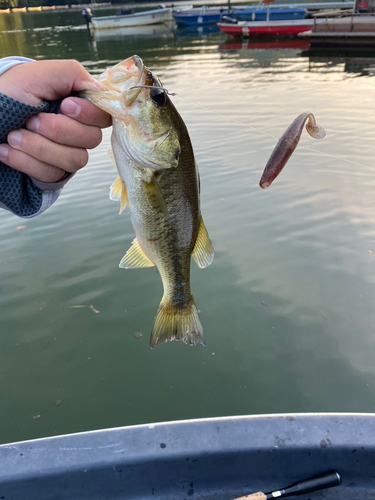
x: 152, y: 87
x: 270, y: 135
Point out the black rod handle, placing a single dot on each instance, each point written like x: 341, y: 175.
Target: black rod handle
x: 319, y: 482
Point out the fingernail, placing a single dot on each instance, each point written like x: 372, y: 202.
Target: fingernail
x: 3, y: 152
x: 70, y: 107
x: 99, y: 84
x: 14, y: 138
x: 33, y: 124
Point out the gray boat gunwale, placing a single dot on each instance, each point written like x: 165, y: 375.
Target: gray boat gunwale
x: 212, y: 458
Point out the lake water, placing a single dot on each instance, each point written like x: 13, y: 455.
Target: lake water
x: 287, y: 305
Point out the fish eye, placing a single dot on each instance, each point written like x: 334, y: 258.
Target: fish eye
x: 158, y: 96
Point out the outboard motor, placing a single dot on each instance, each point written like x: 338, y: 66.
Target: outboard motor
x: 87, y: 14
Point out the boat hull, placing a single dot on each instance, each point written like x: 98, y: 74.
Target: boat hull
x: 271, y: 28
x: 206, y: 16
x: 195, y: 18
x: 219, y: 458
x: 274, y: 14
x: 138, y: 19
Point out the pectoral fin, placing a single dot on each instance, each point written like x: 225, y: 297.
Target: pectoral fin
x: 111, y: 156
x: 154, y: 195
x: 203, y: 253
x: 135, y: 257
x: 117, y: 192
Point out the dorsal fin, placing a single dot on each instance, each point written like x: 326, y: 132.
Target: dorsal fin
x: 135, y: 257
x: 203, y: 253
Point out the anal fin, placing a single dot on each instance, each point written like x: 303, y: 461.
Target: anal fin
x: 135, y: 257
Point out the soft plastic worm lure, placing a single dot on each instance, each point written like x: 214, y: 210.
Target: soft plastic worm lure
x: 287, y: 144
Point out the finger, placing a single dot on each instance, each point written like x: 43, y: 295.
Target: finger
x: 67, y: 158
x: 64, y: 130
x: 29, y: 165
x: 33, y: 82
x: 85, y: 112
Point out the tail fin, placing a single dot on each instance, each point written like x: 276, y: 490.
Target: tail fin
x: 177, y: 323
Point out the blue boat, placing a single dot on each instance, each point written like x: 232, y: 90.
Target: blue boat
x: 200, y: 16
x: 275, y: 14
x: 203, y: 16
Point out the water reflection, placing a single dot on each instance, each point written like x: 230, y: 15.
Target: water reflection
x: 43, y: 34
x: 199, y: 31
x: 361, y: 63
x: 264, y: 44
x: 287, y: 305
x: 267, y: 52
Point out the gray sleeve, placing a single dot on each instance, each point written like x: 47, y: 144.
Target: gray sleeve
x: 8, y: 62
x: 19, y: 193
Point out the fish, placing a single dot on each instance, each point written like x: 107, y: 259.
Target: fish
x: 159, y: 182
x: 287, y: 144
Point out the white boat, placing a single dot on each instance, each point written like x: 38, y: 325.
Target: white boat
x: 139, y: 31
x: 135, y: 19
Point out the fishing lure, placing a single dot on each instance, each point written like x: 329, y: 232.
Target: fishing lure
x: 287, y: 144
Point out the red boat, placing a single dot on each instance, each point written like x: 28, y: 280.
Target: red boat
x: 256, y: 28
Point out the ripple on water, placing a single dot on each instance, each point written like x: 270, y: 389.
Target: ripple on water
x: 287, y: 305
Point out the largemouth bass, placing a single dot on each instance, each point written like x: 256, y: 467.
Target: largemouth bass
x: 159, y: 181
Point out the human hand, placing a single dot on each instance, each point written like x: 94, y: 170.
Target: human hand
x: 52, y: 144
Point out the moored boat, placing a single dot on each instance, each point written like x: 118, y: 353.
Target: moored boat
x: 200, y: 16
x: 261, y: 28
x: 133, y: 19
x: 161, y: 29
x: 203, y: 16
x: 218, y: 458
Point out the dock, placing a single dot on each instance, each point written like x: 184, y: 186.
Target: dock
x: 316, y: 6
x: 346, y: 29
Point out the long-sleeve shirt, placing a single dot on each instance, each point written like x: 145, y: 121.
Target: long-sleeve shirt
x: 19, y: 193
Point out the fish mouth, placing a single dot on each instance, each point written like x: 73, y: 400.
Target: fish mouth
x: 126, y: 77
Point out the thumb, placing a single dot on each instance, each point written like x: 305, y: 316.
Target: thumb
x: 34, y: 82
